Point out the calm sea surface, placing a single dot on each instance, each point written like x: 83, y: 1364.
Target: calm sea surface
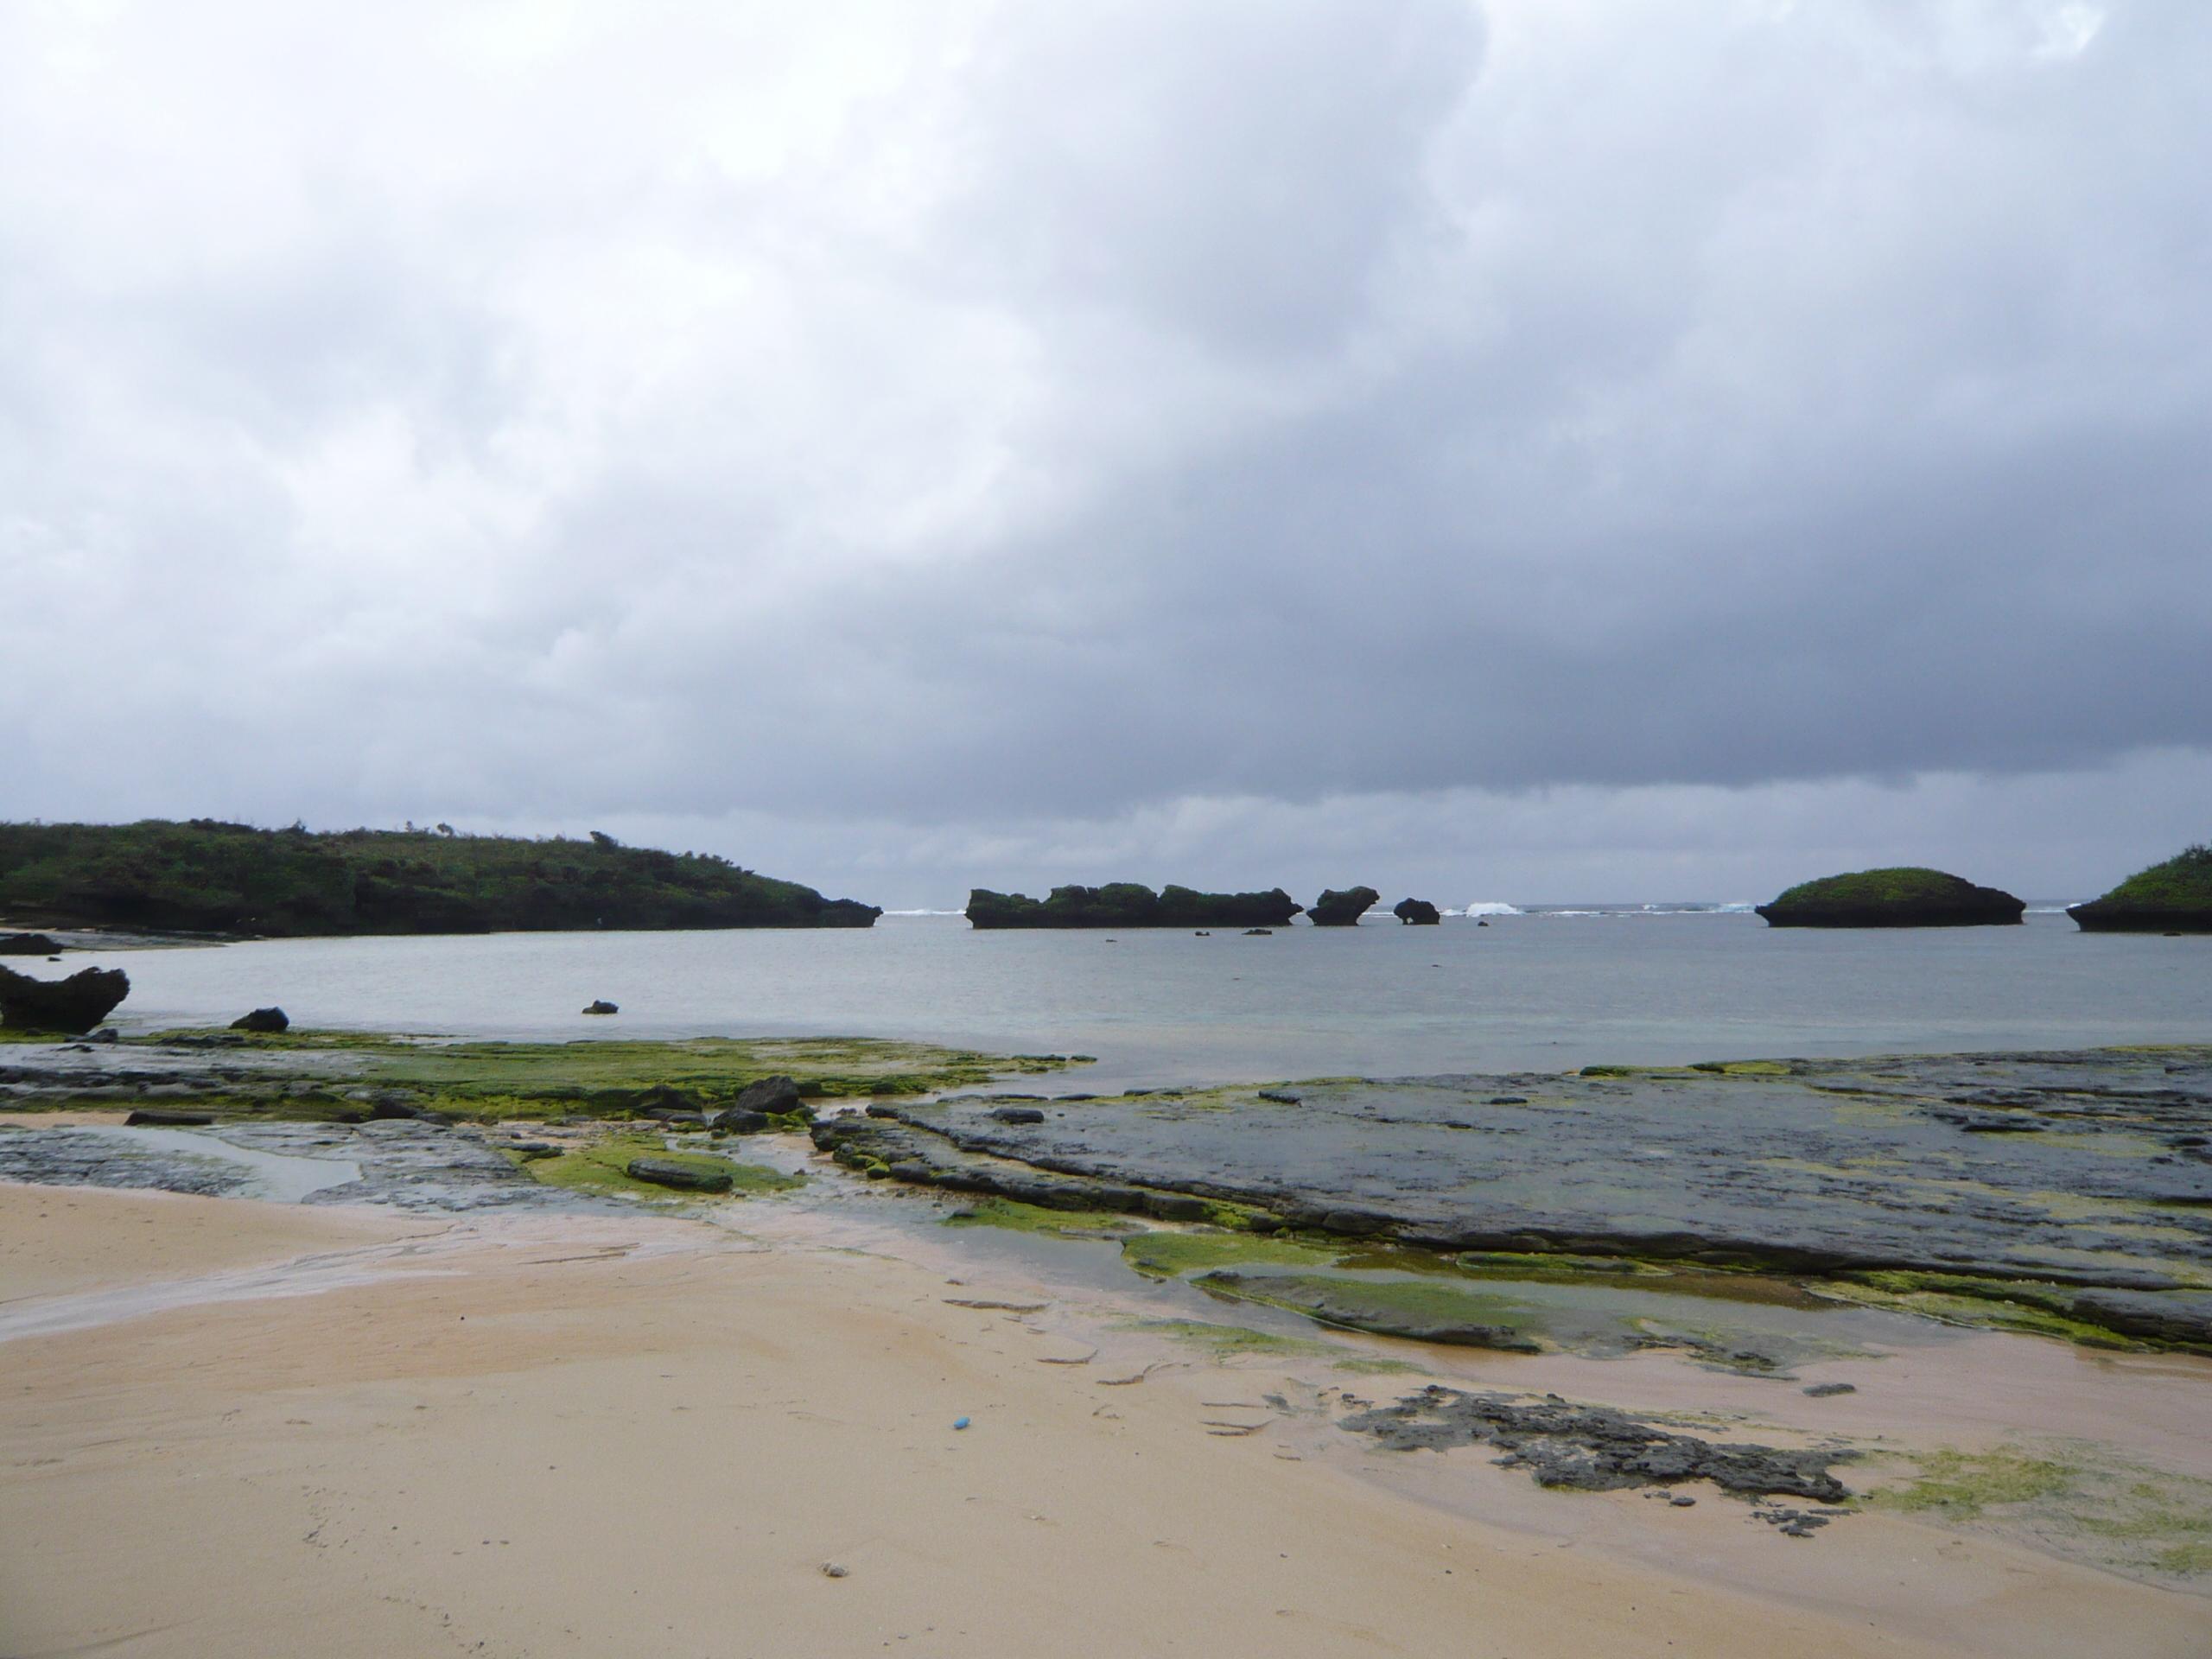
x: 1525, y: 992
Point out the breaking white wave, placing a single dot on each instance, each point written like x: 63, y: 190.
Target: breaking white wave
x: 925, y: 912
x: 1491, y: 907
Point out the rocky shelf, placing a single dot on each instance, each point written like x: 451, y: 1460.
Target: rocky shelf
x: 2064, y: 1191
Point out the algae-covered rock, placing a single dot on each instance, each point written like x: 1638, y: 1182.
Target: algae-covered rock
x: 75, y: 1004
x: 1335, y: 909
x: 1129, y: 903
x: 687, y: 1178
x: 1417, y: 913
x: 1905, y: 897
x: 2175, y: 897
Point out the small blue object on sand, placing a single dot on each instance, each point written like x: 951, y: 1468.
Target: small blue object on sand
x: 960, y: 1423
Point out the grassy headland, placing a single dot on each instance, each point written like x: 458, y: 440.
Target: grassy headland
x: 2172, y: 897
x: 210, y: 877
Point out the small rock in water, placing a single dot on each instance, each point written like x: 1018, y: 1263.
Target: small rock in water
x: 269, y: 1021
x: 600, y: 1005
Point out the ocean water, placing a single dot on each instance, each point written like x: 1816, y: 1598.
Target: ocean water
x: 1536, y: 990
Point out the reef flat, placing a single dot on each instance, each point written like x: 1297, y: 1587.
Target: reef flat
x: 421, y: 1123
x: 2066, y: 1192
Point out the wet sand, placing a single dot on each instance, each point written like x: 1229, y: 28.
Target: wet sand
x: 547, y: 1435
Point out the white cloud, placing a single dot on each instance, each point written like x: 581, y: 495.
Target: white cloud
x: 965, y: 417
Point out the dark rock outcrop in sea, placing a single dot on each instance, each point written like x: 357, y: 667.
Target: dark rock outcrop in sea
x: 75, y: 1004
x: 1129, y: 903
x: 1416, y: 912
x: 267, y: 1021
x: 29, y: 944
x: 600, y: 1005
x: 1335, y: 909
x: 1855, y: 1172
x: 2175, y: 897
x: 1905, y: 897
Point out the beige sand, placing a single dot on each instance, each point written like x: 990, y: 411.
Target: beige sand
x: 608, y: 1438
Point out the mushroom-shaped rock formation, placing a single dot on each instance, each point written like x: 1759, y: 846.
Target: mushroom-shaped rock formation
x: 1906, y: 897
x: 1416, y: 912
x: 1334, y: 909
x: 75, y: 1004
x: 2175, y: 897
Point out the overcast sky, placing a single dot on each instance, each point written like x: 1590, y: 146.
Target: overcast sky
x: 1534, y: 450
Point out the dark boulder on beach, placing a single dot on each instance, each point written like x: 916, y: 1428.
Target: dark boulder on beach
x: 1130, y: 904
x: 684, y: 1178
x: 757, y: 1104
x: 735, y: 1120
x: 75, y: 1004
x: 777, y: 1094
x: 1904, y: 897
x: 167, y: 1117
x: 267, y: 1020
x: 2175, y: 897
x: 27, y: 944
x: 1416, y: 912
x: 1335, y: 909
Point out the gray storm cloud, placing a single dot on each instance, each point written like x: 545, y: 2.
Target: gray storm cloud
x: 963, y: 418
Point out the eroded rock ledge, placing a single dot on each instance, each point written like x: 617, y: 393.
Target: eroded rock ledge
x: 1936, y: 1179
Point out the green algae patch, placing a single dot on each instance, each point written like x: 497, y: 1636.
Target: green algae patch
x: 1229, y: 1341
x: 2072, y: 1499
x: 1417, y: 1310
x: 589, y: 1070
x: 1016, y: 1216
x: 497, y: 1082
x: 1961, y: 1485
x: 2025, y: 1308
x: 1377, y: 1365
x: 604, y: 1167
x: 1162, y: 1254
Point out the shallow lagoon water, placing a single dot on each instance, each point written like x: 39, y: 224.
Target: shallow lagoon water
x: 1534, y: 992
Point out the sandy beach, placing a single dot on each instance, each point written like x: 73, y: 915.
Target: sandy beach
x: 240, y: 1428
